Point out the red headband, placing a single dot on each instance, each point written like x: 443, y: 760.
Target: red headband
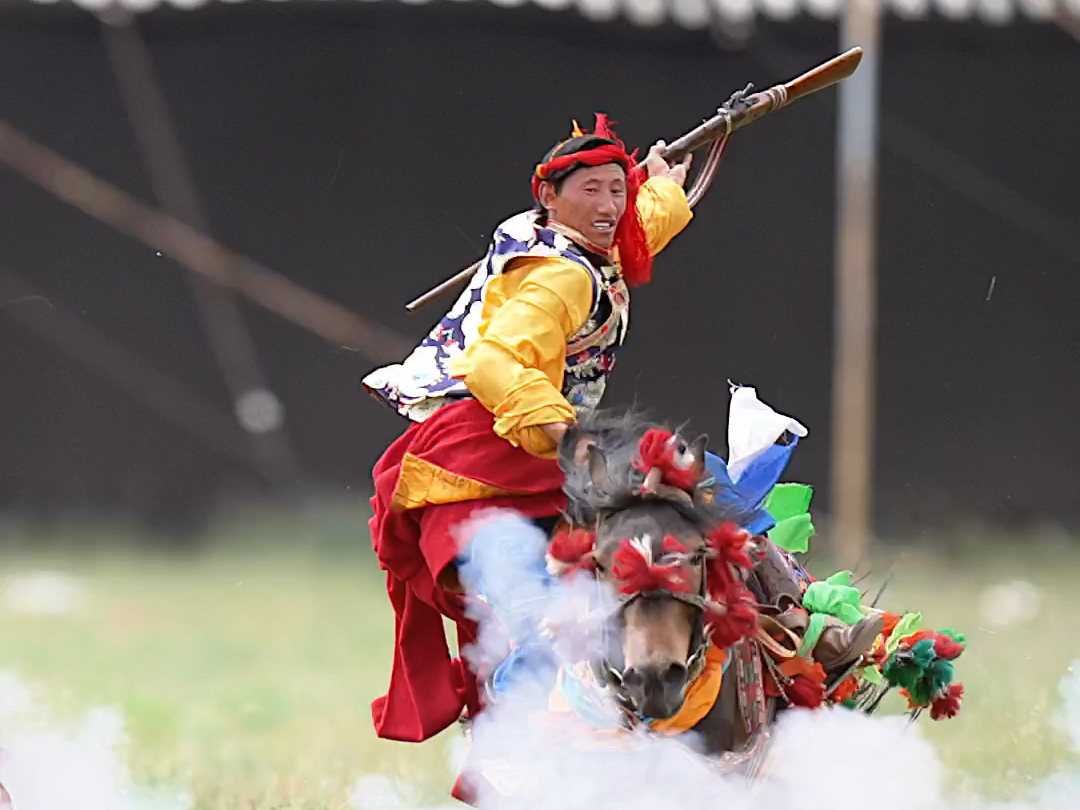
x: 630, y: 239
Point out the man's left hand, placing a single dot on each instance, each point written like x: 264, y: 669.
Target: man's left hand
x: 655, y: 164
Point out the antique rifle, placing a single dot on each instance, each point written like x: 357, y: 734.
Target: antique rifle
x: 739, y: 110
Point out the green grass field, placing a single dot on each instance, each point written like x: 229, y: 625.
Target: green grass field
x: 244, y: 671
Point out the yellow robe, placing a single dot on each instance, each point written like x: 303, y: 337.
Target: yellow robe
x: 515, y: 367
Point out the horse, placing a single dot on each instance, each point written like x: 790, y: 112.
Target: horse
x: 645, y: 519
x: 699, y: 602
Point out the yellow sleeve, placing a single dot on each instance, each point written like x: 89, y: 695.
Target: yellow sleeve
x: 664, y: 211
x: 515, y: 368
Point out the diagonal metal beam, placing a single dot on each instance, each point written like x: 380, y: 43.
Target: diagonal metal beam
x: 198, y: 252
x: 110, y: 360
x: 222, y: 322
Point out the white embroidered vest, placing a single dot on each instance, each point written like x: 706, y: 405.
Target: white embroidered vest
x: 422, y: 383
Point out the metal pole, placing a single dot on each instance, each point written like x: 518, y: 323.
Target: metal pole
x: 855, y: 348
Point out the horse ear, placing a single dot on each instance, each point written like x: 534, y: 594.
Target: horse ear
x: 697, y: 454
x: 597, y: 461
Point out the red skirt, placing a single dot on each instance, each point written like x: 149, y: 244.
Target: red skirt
x: 428, y: 688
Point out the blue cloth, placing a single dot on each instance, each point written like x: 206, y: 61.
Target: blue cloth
x: 759, y: 477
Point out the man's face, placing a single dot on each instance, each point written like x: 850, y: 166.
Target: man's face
x: 592, y: 201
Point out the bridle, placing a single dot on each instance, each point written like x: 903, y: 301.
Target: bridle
x: 671, y: 472
x: 611, y: 673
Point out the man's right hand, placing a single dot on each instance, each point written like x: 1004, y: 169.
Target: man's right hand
x: 556, y: 431
x: 656, y: 165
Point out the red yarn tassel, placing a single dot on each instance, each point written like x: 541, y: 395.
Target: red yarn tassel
x: 921, y: 635
x: 946, y: 648
x: 948, y: 704
x: 732, y: 614
x: 803, y: 691
x: 630, y: 238
x: 635, y: 575
x: 602, y: 128
x: 729, y: 543
x: 657, y: 450
x: 735, y: 613
x: 673, y: 545
x: 574, y: 548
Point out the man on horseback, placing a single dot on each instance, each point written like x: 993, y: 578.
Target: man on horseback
x: 492, y: 390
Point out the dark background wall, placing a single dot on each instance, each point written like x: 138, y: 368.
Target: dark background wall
x: 366, y: 151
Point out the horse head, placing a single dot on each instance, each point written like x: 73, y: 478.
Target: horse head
x: 647, y: 521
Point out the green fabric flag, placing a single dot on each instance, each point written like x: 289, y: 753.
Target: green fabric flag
x: 793, y: 534
x: 812, y: 635
x: 789, y: 505
x: 833, y: 597
x: 836, y: 597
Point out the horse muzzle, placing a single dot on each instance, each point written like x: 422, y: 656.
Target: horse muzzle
x: 657, y: 691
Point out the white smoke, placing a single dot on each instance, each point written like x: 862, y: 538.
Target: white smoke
x: 818, y: 760
x: 45, y: 765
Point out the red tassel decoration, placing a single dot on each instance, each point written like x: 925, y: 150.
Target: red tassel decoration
x: 803, y: 691
x: 630, y: 238
x: 729, y: 544
x: 732, y: 614
x: 602, y: 128
x: 921, y: 635
x: 573, y: 548
x: 946, y: 648
x: 673, y: 545
x: 847, y: 689
x: 657, y: 450
x: 636, y: 575
x: 948, y: 704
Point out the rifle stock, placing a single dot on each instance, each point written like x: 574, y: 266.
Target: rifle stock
x: 726, y: 121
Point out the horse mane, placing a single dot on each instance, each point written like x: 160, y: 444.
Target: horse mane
x: 617, y: 435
